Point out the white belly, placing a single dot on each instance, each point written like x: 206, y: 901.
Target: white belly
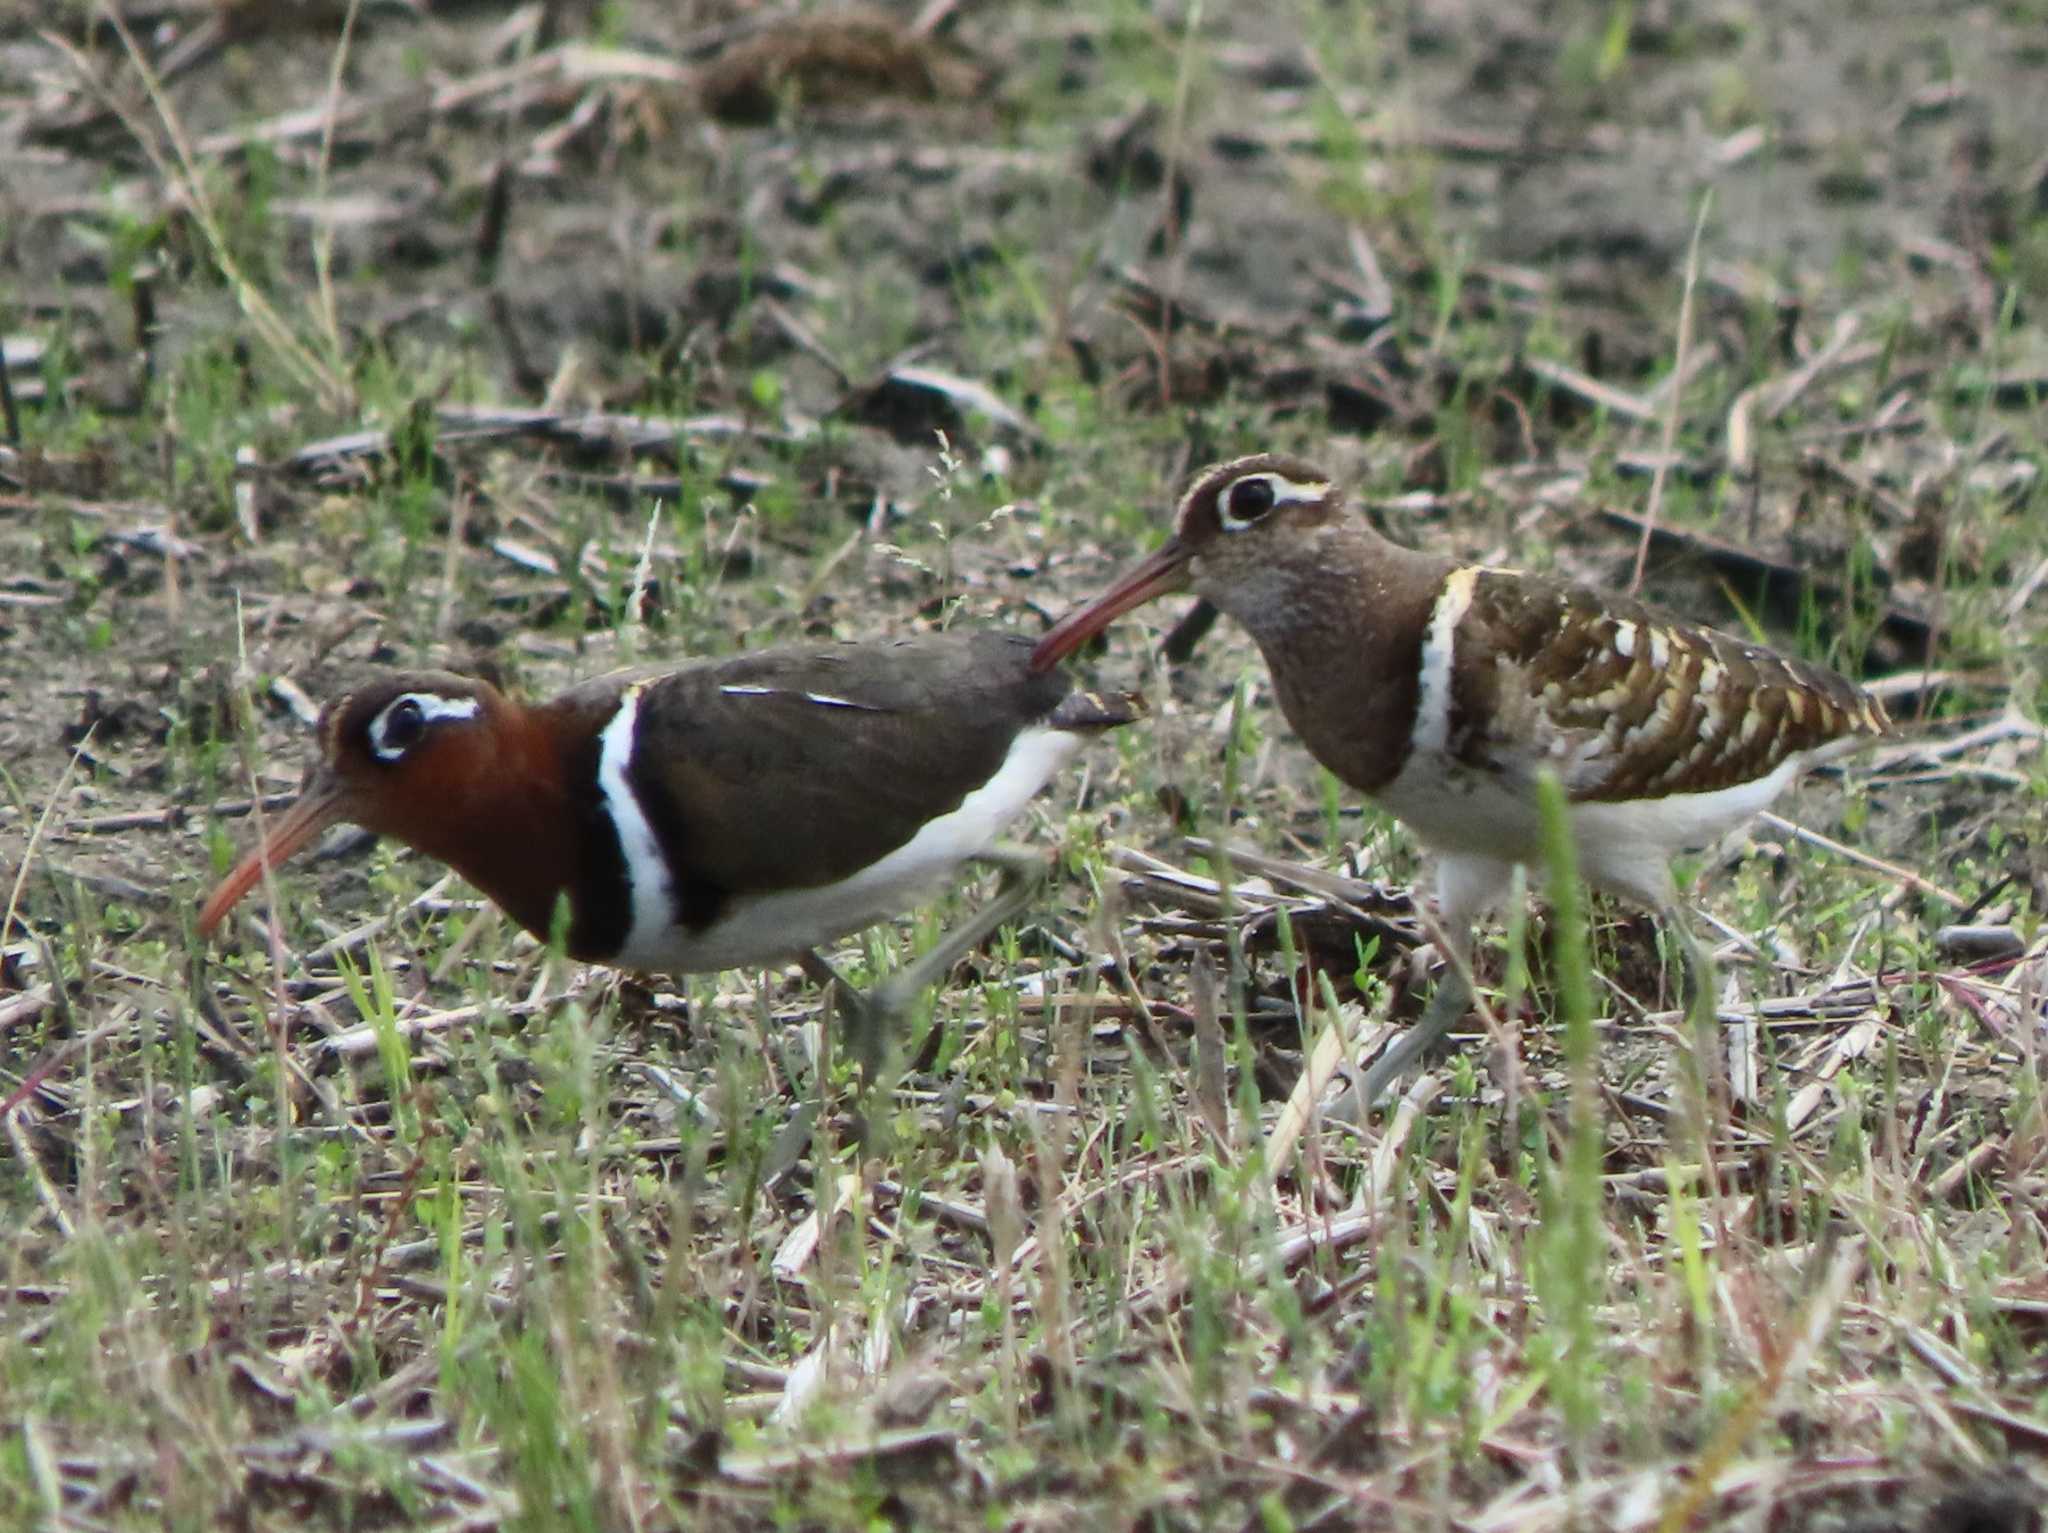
x: 767, y: 928
x: 1450, y: 809
x: 1623, y: 846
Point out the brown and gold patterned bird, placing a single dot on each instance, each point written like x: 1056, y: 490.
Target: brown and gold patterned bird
x: 1441, y: 690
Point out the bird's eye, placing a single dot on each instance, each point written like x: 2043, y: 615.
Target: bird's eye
x: 403, y: 722
x: 1246, y: 501
x: 398, y: 728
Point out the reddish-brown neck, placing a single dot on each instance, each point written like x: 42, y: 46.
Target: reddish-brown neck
x: 497, y: 807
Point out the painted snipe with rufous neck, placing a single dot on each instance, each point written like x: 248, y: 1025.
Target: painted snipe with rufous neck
x: 720, y: 814
x: 1442, y: 690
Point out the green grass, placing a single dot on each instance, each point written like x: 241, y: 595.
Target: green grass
x: 422, y: 1226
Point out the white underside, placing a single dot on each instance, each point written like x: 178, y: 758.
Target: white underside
x: 1480, y: 828
x: 767, y: 928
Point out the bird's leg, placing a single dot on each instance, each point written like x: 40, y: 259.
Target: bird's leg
x: 1696, y: 963
x: 1446, y: 1006
x: 1700, y: 999
x: 1704, y: 1062
x: 854, y: 1015
x: 868, y: 1019
x: 1466, y: 886
x: 863, y: 1028
x: 1021, y: 873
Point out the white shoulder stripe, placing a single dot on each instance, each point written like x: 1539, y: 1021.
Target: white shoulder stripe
x: 1432, y: 730
x: 649, y: 888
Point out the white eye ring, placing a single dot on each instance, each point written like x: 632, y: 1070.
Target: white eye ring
x: 398, y: 726
x: 1284, y: 492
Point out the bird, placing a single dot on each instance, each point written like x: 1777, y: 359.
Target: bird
x: 1442, y: 691
x: 716, y: 814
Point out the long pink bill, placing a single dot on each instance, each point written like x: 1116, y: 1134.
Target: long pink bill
x: 1160, y: 574
x: 318, y: 807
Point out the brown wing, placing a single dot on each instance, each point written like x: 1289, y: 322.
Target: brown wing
x: 1627, y: 702
x: 795, y: 767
